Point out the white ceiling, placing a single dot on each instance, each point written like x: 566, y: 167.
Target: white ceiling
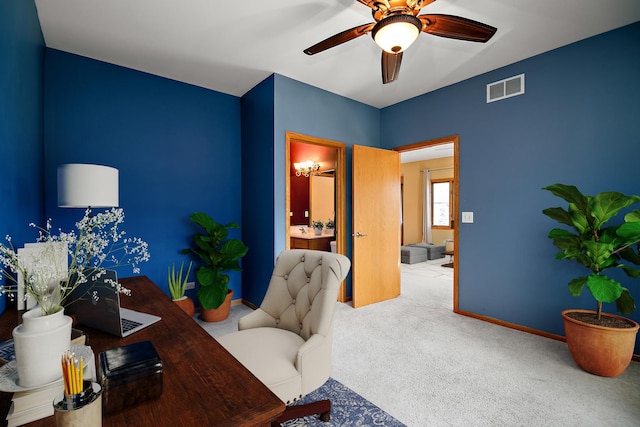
x: 230, y: 46
x: 427, y: 153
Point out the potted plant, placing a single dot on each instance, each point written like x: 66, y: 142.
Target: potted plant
x: 330, y: 225
x: 177, y: 287
x: 599, y: 343
x: 219, y: 255
x: 317, y: 227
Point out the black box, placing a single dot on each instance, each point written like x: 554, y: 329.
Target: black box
x: 129, y: 375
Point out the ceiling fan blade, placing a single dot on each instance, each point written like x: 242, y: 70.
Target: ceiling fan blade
x: 390, y: 66
x: 339, y: 38
x: 456, y: 27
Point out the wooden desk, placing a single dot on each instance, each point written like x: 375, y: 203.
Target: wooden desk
x: 202, y: 383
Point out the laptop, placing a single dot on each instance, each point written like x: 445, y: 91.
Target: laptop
x: 96, y: 304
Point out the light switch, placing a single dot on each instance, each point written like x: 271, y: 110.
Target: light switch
x: 467, y: 217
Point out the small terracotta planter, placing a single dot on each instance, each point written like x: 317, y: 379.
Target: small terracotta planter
x: 220, y: 313
x: 186, y: 304
x: 598, y: 349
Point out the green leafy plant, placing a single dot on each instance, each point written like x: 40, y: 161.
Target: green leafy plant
x: 330, y: 224
x: 219, y: 255
x: 178, y: 282
x: 318, y: 224
x: 596, y: 245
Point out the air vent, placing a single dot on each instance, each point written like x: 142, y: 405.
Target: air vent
x: 505, y: 88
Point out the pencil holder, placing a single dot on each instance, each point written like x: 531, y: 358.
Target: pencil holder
x: 80, y: 410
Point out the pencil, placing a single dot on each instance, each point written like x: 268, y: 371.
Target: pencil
x: 81, y: 374
x: 64, y: 376
x: 75, y: 376
x: 69, y: 376
x: 72, y: 377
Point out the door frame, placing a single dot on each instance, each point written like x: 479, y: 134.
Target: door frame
x: 455, y: 139
x: 340, y: 194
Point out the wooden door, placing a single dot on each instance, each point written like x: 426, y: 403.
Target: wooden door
x: 376, y: 225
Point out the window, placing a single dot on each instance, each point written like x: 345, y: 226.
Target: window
x: 442, y: 203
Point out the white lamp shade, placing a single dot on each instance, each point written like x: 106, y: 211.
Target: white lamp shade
x: 85, y: 185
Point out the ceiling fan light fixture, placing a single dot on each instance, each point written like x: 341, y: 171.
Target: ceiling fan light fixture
x: 395, y: 33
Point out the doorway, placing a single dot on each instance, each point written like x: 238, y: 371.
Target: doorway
x: 441, y: 142
x: 309, y: 198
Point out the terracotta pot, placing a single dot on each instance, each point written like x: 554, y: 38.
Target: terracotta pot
x: 220, y: 313
x: 186, y: 304
x: 598, y: 349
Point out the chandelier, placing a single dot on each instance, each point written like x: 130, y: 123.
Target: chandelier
x: 306, y: 168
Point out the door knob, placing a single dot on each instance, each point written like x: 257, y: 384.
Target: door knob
x: 359, y: 234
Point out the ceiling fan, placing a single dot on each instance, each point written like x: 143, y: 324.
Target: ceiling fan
x: 398, y: 25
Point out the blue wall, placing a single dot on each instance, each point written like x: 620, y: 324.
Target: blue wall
x: 577, y: 124
x: 177, y: 148
x: 257, y: 190
x: 311, y: 111
x: 315, y: 112
x: 304, y: 109
x: 21, y: 59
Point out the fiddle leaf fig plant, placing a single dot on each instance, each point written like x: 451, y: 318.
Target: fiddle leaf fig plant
x: 596, y: 244
x: 219, y: 255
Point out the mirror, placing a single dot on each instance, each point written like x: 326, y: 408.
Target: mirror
x: 322, y: 198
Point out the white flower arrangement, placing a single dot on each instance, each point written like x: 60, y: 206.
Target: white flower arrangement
x: 97, y: 245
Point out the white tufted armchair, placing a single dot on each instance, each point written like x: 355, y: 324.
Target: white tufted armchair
x: 286, y: 343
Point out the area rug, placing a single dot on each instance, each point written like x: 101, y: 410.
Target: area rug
x: 348, y: 408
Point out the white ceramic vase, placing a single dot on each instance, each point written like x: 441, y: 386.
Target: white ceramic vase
x: 39, y: 344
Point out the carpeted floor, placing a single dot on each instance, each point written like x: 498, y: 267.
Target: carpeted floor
x: 427, y: 366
